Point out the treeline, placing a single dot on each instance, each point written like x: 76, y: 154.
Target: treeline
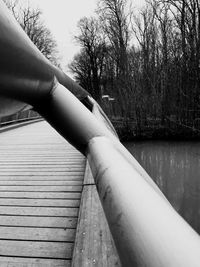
x: 148, y: 61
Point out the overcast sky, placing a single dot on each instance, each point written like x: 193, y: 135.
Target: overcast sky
x: 61, y: 17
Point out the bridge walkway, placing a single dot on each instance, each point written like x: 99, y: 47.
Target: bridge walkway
x: 41, y: 178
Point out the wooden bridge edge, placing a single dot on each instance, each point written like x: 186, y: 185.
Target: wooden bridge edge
x: 94, y: 245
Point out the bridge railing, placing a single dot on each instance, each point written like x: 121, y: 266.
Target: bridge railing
x: 19, y: 117
x: 146, y: 229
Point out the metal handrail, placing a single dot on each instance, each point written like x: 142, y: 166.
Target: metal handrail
x: 6, y: 123
x: 146, y: 229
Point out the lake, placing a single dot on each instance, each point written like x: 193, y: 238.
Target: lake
x: 175, y: 167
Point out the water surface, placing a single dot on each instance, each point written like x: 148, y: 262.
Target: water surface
x: 175, y: 167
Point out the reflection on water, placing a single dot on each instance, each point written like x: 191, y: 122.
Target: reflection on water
x: 175, y: 167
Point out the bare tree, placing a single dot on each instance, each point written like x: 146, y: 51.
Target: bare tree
x: 145, y: 69
x: 115, y: 21
x: 81, y: 69
x: 158, y: 77
x: 115, y: 16
x: 93, y: 48
x: 31, y: 22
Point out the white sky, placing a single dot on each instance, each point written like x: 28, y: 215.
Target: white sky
x: 62, y: 16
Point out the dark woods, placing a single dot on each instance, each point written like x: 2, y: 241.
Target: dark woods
x: 144, y: 67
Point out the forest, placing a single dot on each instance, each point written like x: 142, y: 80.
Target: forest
x: 143, y: 67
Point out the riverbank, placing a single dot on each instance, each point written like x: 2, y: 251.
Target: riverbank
x: 154, y: 130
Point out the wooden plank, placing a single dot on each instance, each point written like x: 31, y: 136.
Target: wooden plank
x: 35, y: 188
x: 33, y: 262
x: 29, y: 158
x: 40, y: 146
x: 39, y: 173
x: 42, y: 178
x: 41, y: 195
x: 60, y: 151
x: 40, y: 202
x: 63, y: 166
x: 38, y: 183
x: 47, y: 145
x: 27, y: 221
x: 20, y: 150
x: 44, y: 148
x: 36, y: 249
x: 37, y: 169
x: 42, y: 160
x: 94, y: 245
x: 38, y: 155
x: 39, y: 211
x: 20, y: 164
x: 37, y: 234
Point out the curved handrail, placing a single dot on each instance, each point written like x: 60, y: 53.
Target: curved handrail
x: 24, y: 69
x: 146, y: 229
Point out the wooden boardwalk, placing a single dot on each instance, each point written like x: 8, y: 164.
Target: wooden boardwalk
x: 41, y: 178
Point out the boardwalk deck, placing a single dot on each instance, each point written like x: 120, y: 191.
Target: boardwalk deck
x: 41, y: 178
x: 94, y: 245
